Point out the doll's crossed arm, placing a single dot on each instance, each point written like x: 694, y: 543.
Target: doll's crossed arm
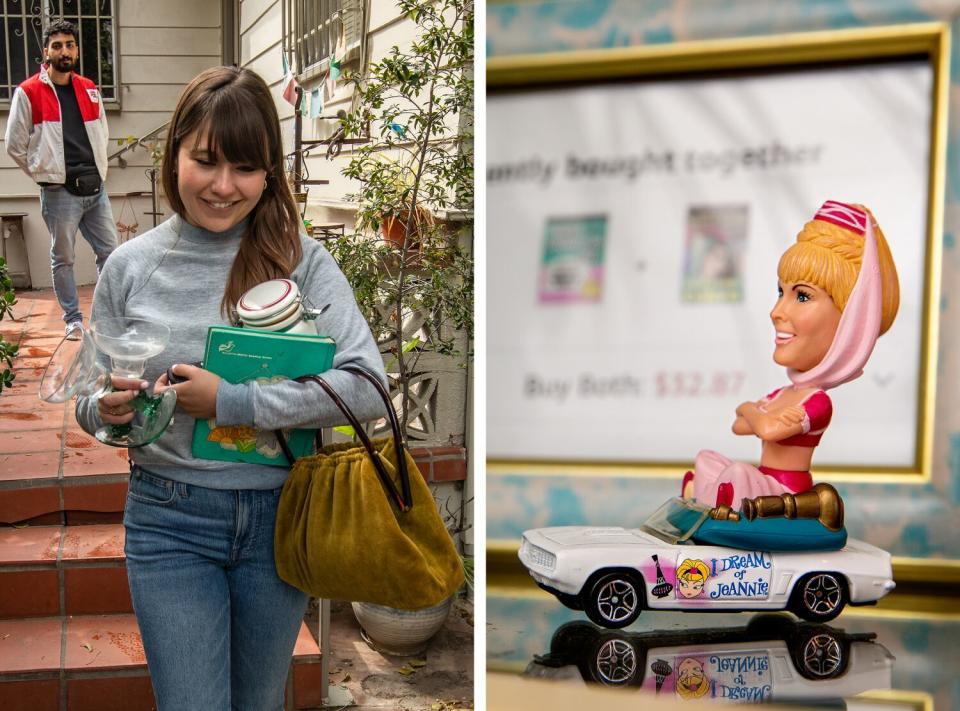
x: 740, y: 425
x: 769, y: 427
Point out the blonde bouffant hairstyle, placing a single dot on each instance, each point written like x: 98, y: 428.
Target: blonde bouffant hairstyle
x: 687, y: 690
x: 828, y: 256
x: 693, y: 569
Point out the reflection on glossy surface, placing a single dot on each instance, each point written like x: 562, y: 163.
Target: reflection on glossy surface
x: 923, y: 652
x: 771, y: 658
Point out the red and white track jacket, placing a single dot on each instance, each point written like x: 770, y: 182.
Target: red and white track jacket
x: 34, y: 136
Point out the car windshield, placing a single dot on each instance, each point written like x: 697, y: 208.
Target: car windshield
x: 676, y: 520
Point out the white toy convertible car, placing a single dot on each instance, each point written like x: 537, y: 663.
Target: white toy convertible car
x: 614, y: 573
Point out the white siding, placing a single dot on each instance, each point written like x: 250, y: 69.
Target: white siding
x: 170, y: 13
x: 263, y: 37
x: 261, y: 26
x: 165, y: 71
x: 185, y: 41
x: 251, y: 11
x: 260, y: 51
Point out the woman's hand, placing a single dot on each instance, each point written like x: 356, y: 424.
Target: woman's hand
x: 114, y: 407
x: 792, y: 415
x: 197, y: 394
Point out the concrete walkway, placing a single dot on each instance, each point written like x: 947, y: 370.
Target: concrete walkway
x: 439, y: 680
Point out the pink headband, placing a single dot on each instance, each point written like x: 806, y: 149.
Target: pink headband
x: 859, y: 325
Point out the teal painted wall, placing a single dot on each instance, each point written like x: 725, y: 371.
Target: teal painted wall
x: 908, y: 520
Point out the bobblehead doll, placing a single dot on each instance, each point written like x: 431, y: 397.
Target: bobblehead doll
x: 837, y: 293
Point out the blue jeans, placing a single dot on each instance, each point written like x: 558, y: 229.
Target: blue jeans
x: 218, y: 625
x: 65, y: 214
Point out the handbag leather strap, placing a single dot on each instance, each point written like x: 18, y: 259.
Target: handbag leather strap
x: 402, y: 497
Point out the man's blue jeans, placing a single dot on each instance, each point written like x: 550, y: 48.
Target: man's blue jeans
x: 65, y: 214
x: 218, y: 625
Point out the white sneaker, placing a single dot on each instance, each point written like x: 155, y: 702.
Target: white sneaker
x: 74, y: 330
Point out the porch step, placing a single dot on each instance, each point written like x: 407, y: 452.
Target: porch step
x: 96, y: 662
x: 85, y: 562
x: 51, y: 471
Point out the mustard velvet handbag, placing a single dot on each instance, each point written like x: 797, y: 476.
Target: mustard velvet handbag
x: 357, y: 522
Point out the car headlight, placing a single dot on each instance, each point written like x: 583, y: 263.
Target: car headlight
x: 535, y: 556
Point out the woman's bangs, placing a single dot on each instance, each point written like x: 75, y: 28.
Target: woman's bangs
x: 234, y: 133
x: 803, y: 262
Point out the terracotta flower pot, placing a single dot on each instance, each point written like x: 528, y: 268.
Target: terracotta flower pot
x: 395, y: 231
x: 394, y: 228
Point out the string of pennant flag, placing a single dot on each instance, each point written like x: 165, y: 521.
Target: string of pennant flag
x: 319, y: 95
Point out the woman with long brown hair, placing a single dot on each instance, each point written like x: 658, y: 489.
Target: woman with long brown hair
x: 218, y: 625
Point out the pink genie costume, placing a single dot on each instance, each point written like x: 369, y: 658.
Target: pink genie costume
x: 718, y: 480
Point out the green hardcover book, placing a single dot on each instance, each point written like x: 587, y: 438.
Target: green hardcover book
x: 239, y: 355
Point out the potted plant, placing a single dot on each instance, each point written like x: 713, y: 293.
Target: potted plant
x: 415, y: 284
x: 409, y: 261
x: 7, y: 350
x: 395, y: 227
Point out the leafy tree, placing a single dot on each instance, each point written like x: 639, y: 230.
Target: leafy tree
x: 416, y: 107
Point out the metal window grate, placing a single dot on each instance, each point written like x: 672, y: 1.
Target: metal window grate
x: 310, y: 30
x: 21, y: 32
x: 20, y: 53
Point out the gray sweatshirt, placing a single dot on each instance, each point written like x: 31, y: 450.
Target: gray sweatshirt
x: 176, y: 274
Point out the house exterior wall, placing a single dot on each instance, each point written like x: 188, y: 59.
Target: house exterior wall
x: 161, y: 47
x: 260, y: 50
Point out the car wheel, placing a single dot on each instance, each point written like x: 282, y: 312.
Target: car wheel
x: 572, y: 639
x: 819, y: 597
x: 614, y: 600
x: 615, y: 662
x: 820, y: 655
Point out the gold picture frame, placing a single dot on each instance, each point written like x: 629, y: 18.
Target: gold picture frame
x: 787, y: 51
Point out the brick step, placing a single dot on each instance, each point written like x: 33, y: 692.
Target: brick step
x: 51, y: 471
x: 91, y: 484
x: 81, y: 499
x: 54, y: 473
x: 103, y: 666
x: 56, y: 570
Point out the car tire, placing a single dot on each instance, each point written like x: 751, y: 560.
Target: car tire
x: 570, y: 601
x: 614, y: 600
x: 615, y: 661
x: 571, y: 638
x: 820, y: 654
x: 819, y: 597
